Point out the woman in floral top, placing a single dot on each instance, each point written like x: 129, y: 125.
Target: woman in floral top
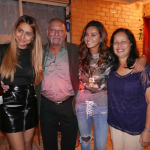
x: 91, y: 104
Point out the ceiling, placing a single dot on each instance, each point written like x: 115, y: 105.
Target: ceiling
x: 121, y: 1
x: 130, y: 1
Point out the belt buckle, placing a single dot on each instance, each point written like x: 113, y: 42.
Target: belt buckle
x: 57, y: 103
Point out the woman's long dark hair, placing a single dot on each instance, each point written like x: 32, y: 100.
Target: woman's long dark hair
x: 85, y: 54
x: 133, y: 52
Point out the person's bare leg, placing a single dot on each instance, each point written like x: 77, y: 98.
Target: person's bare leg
x: 16, y: 140
x: 28, y: 136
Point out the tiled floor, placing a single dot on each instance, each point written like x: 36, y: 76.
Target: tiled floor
x: 5, y: 146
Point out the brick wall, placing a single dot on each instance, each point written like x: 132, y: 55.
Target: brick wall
x: 146, y: 9
x: 112, y: 14
x: 62, y: 0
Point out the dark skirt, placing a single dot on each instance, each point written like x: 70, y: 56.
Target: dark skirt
x: 19, y: 109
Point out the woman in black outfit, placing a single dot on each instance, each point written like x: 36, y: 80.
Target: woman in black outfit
x: 21, y: 68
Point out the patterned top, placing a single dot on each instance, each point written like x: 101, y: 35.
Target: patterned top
x: 94, y: 91
x: 126, y: 101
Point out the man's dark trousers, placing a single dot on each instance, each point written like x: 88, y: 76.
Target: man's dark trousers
x: 51, y: 115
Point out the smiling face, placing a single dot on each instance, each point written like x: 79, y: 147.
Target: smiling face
x: 92, y: 39
x: 23, y: 35
x: 56, y: 33
x: 121, y: 45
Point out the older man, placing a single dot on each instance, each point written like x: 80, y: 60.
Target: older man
x: 59, y: 86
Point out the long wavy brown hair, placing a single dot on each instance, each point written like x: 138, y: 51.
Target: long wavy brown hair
x: 10, y: 60
x: 85, y: 54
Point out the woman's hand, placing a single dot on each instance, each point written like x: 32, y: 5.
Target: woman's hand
x: 145, y: 138
x: 139, y: 64
x: 5, y: 87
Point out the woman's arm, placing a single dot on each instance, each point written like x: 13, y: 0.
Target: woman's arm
x: 139, y: 64
x: 5, y: 87
x: 145, y: 136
